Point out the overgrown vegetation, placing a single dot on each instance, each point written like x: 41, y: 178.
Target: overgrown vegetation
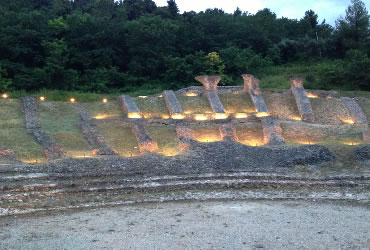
x: 133, y: 46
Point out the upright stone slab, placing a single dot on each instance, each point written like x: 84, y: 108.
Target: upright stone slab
x: 92, y: 135
x: 145, y: 142
x: 173, y: 105
x: 358, y: 116
x: 272, y: 131
x: 210, y: 89
x: 228, y: 132
x: 185, y: 135
x: 251, y: 86
x: 130, y: 107
x: 51, y: 149
x: 303, y: 103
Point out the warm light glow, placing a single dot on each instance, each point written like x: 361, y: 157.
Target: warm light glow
x: 348, y: 121
x: 147, y: 116
x: 101, y: 117
x: 236, y: 92
x: 105, y: 100
x: 262, y: 114
x: 160, y: 96
x: 241, y: 115
x: 165, y: 116
x: 351, y: 143
x: 191, y: 94
x: 5, y: 96
x: 252, y: 143
x: 200, y: 117
x: 143, y: 96
x: 306, y: 142
x: 220, y: 116
x: 42, y: 98
x: 207, y: 138
x: 72, y: 100
x: 296, y: 118
x: 134, y: 115
x: 187, y: 112
x: 329, y: 97
x: 177, y: 116
x: 312, y: 95
x: 170, y: 152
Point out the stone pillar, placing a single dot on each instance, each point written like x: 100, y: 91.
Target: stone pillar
x: 357, y: 115
x: 210, y: 89
x: 185, y: 135
x: 228, y: 132
x: 303, y: 103
x: 272, y: 131
x: 145, y: 142
x: 130, y: 107
x: 173, y: 105
x: 252, y: 86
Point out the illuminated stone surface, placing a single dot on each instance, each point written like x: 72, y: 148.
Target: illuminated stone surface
x: 251, y: 85
x: 145, y: 142
x: 303, y: 103
x: 130, y: 107
x: 185, y: 135
x: 355, y: 110
x: 173, y: 105
x: 228, y: 132
x: 272, y: 131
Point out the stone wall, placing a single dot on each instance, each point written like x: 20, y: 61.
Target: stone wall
x: 272, y: 132
x: 355, y: 110
x: 303, y: 103
x: 173, y: 105
x: 185, y: 135
x: 130, y: 107
x: 228, y: 132
x: 251, y: 86
x: 145, y: 142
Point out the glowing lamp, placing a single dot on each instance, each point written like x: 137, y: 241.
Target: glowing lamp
x: 262, y: 114
x: 177, y: 116
x: 72, y: 100
x: 143, y: 96
x: 241, y: 115
x: 165, y: 116
x: 200, y: 117
x: 220, y: 116
x: 105, y: 100
x: 42, y: 98
x: 5, y: 96
x: 191, y: 94
x: 187, y: 112
x: 312, y: 95
x: 348, y: 121
x: 134, y: 115
x: 296, y: 118
x: 101, y: 117
x: 351, y: 143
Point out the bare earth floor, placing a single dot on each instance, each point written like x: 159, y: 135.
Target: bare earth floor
x: 195, y: 225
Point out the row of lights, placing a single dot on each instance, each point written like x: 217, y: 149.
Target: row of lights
x: 43, y: 98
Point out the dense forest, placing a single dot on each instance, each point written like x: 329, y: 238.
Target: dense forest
x: 105, y: 45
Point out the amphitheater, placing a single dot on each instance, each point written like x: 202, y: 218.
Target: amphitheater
x: 209, y: 142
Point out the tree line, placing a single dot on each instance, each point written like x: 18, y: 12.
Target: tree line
x: 105, y: 45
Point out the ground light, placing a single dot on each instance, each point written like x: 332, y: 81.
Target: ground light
x: 72, y: 100
x: 105, y: 100
x: 134, y: 115
x: 177, y: 116
x: 42, y: 98
x: 241, y: 115
x: 5, y: 96
x: 200, y: 117
x: 191, y: 94
x: 312, y: 95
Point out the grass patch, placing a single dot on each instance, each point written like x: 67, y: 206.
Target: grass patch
x: 237, y: 103
x: 13, y: 133
x: 152, y: 107
x: 119, y: 137
x: 166, y: 138
x: 194, y: 104
x: 61, y: 121
x: 281, y: 105
x: 329, y: 111
x: 100, y: 110
x: 250, y: 134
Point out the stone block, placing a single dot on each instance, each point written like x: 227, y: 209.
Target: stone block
x: 145, y: 142
x: 215, y: 102
x: 303, y: 103
x: 185, y: 135
x: 272, y: 132
x: 130, y: 107
x: 228, y: 132
x: 30, y: 113
x: 173, y: 105
x: 366, y: 135
x: 252, y: 86
x: 357, y: 115
x: 209, y: 82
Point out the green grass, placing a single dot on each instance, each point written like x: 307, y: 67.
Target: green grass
x: 194, y: 104
x: 237, y: 103
x: 153, y: 107
x: 166, y: 137
x: 100, y: 110
x: 61, y: 121
x: 13, y: 134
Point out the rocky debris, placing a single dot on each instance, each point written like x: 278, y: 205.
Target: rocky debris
x: 173, y: 105
x: 362, y: 154
x: 51, y: 149
x: 8, y: 156
x: 251, y: 85
x: 355, y: 110
x: 272, y: 131
x: 92, y: 135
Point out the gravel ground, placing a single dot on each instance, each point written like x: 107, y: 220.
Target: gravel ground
x: 195, y: 225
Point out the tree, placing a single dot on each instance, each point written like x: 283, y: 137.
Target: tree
x: 353, y: 29
x: 172, y: 7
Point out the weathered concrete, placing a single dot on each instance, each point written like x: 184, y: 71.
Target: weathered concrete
x: 185, y: 135
x: 173, y: 105
x: 92, y: 135
x: 209, y: 82
x: 251, y: 85
x: 130, y: 107
x: 228, y: 132
x: 303, y: 103
x: 145, y: 142
x: 355, y: 110
x: 51, y: 149
x: 272, y: 131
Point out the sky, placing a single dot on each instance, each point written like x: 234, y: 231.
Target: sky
x: 330, y: 10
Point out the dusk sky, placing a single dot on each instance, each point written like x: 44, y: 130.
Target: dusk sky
x: 326, y: 9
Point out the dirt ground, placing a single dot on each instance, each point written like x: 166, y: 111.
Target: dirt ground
x: 195, y: 225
